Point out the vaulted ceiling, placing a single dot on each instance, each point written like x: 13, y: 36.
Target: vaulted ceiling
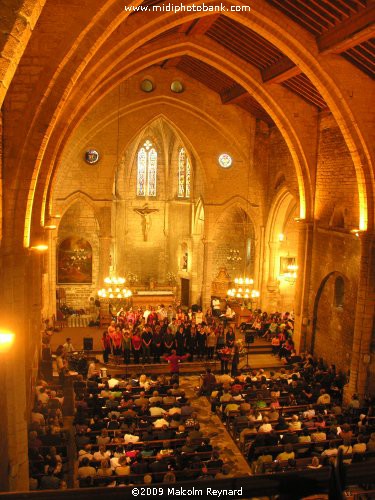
x: 345, y: 27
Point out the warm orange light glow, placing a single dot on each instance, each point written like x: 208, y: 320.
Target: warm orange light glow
x: 6, y: 341
x: 39, y: 248
x: 50, y: 226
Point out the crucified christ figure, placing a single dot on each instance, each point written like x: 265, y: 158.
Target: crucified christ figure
x: 145, y: 212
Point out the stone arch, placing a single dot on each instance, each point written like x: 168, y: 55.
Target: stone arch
x: 76, y: 197
x: 296, y: 50
x: 161, y: 120
x: 277, y: 292
x: 338, y: 319
x: 234, y: 230
x: 282, y: 204
x: 240, y: 202
x: 198, y: 218
x: 222, y: 63
x: 17, y: 27
x: 242, y: 73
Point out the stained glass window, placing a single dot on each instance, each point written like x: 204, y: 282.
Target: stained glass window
x: 147, y: 170
x: 152, y: 170
x: 141, y: 177
x: 184, y: 175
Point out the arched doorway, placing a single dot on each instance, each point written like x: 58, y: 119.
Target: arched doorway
x: 334, y: 312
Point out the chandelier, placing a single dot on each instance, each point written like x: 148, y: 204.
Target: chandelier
x: 234, y: 255
x: 243, y: 293
x: 114, y: 289
x: 243, y: 289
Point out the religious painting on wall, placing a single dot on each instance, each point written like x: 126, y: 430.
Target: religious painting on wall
x: 74, y: 261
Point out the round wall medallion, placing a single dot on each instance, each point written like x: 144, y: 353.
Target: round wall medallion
x: 225, y: 160
x: 147, y: 85
x: 177, y: 87
x: 91, y: 156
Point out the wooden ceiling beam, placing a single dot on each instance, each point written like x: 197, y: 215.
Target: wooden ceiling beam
x: 280, y: 71
x: 362, y: 61
x: 307, y: 96
x: 340, y: 8
x: 233, y: 95
x: 171, y: 63
x: 353, y: 31
x: 240, y: 50
x: 250, y: 48
x: 202, y: 25
x: 348, y: 5
x: 184, y: 27
x: 306, y: 15
x: 329, y: 11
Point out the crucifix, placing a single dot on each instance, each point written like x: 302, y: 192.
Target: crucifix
x: 145, y: 212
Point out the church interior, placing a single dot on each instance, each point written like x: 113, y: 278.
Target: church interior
x: 181, y: 146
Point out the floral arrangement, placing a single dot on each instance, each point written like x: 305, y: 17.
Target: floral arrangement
x: 171, y: 277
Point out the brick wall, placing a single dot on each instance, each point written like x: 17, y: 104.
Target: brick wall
x: 333, y: 254
x: 336, y: 183
x: 335, y: 325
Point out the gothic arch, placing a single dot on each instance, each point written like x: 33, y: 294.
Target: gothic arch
x: 282, y: 205
x: 336, y: 318
x: 74, y: 198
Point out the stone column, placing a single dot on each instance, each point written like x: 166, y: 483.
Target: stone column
x: 207, y: 273
x: 364, y: 318
x: 18, y: 314
x: 104, y: 257
x: 301, y: 300
x: 196, y: 269
x: 273, y: 293
x: 259, y: 268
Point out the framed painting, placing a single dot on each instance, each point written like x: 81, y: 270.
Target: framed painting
x: 285, y: 262
x: 74, y: 261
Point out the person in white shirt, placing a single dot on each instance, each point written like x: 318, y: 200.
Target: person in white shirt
x: 113, y: 382
x: 156, y: 411
x: 199, y: 317
x: 158, y: 424
x: 102, y: 454
x: 216, y: 307
x: 266, y: 426
x: 85, y: 453
x: 68, y: 346
x: 147, y: 313
x: 93, y: 370
x: 130, y: 438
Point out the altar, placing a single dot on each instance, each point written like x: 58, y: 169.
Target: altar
x: 153, y: 297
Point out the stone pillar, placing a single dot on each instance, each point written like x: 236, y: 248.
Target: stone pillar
x: 17, y: 314
x: 301, y: 300
x: 207, y: 273
x: 273, y: 292
x: 259, y: 269
x: 196, y: 269
x: 364, y: 318
x: 104, y: 257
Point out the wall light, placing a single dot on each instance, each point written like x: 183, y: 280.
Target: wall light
x: 281, y: 237
x: 6, y: 341
x: 39, y: 248
x: 357, y: 232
